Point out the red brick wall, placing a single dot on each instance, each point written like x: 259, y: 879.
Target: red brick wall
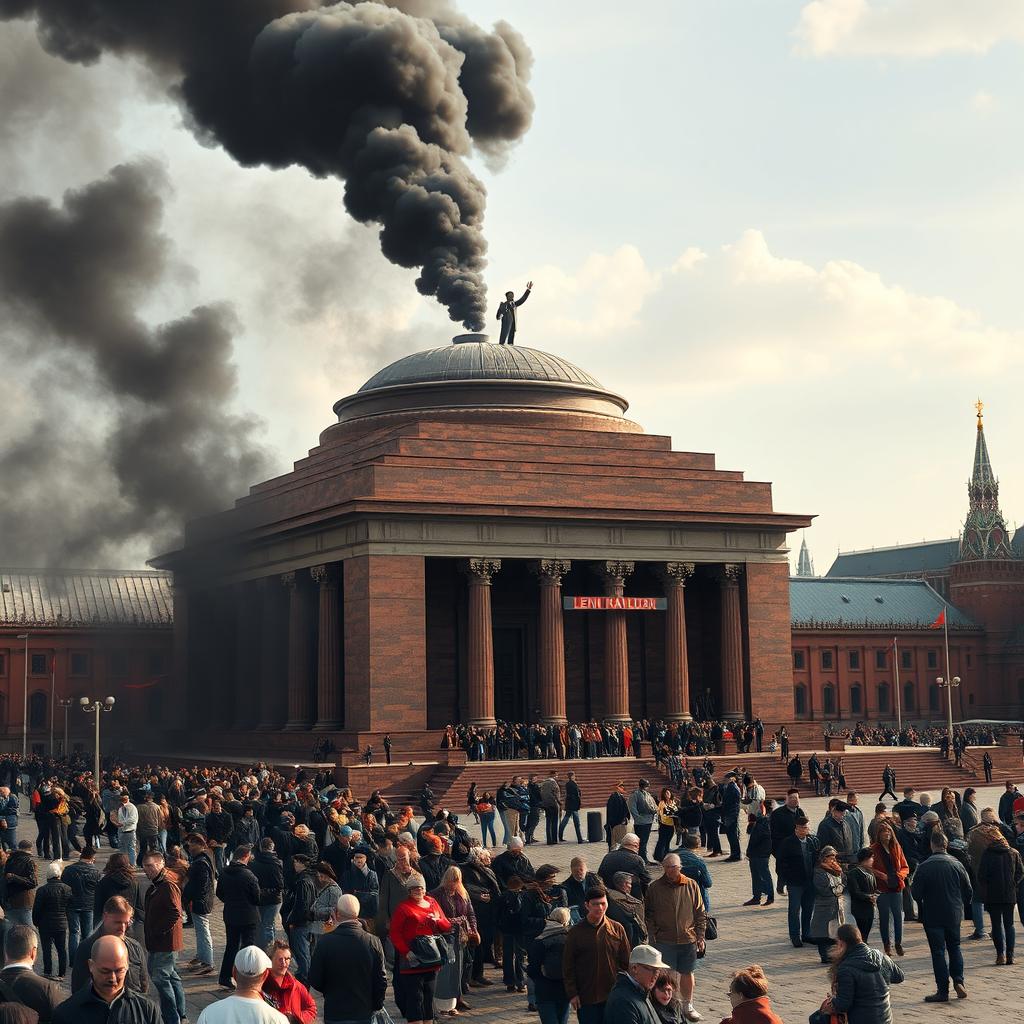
x: 385, y: 646
x: 769, y: 644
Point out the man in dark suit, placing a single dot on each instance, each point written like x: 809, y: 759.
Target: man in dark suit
x: 507, y: 314
x: 24, y: 984
x: 796, y: 857
x: 573, y: 803
x: 731, y: 815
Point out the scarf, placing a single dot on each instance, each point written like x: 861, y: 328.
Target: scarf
x: 891, y: 879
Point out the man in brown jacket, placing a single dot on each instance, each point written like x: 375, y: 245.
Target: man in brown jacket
x: 163, y: 936
x: 595, y: 951
x: 674, y: 911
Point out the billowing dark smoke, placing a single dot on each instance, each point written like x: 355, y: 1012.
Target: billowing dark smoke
x: 391, y: 97
x: 71, y: 281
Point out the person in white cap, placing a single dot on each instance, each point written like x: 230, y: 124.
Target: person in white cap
x: 629, y: 1002
x: 246, y: 1005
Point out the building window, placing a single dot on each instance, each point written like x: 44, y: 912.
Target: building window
x: 798, y: 660
x: 855, y: 702
x: 39, y: 665
x: 118, y: 664
x: 933, y: 659
x: 828, y: 702
x: 906, y: 659
x: 826, y: 659
x: 855, y: 659
x: 79, y: 663
x: 800, y: 700
x: 883, y: 698
x: 908, y: 696
x: 881, y: 659
x: 156, y: 663
x: 37, y: 710
x: 933, y: 697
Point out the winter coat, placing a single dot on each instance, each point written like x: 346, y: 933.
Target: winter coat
x: 629, y: 912
x: 863, y: 978
x: 507, y: 864
x: 837, y: 834
x: 299, y: 907
x: 83, y: 878
x: 942, y: 888
x: 625, y: 860
x: 198, y: 890
x: 534, y: 909
x: 117, y: 884
x: 51, y: 905
x: 163, y: 916
x: 793, y: 869
x: 899, y: 866
x: 573, y: 798
x: 479, y: 880
x: 759, y: 841
x: 547, y: 947
x: 365, y: 887
x: 628, y: 1003
x: 861, y: 885
x: 20, y: 881
x: 239, y: 891
x: 999, y: 876
x: 269, y: 872
x: 324, y: 905
x: 753, y: 1011
x: 827, y: 915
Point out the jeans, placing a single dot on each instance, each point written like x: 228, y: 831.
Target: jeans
x: 268, y: 923
x: 1003, y: 934
x: 574, y: 817
x: 126, y: 843
x: 644, y: 834
x: 942, y: 941
x: 732, y: 833
x: 512, y: 959
x: 298, y: 936
x: 551, y: 825
x: 890, y: 906
x: 164, y: 976
x: 204, y: 940
x: 487, y: 827
x: 801, y: 906
x: 504, y: 827
x: 237, y: 937
x: 978, y: 917
x: 665, y: 834
x: 553, y: 1013
x: 760, y: 878
x: 79, y: 925
x: 592, y: 1014
x: 20, y: 915
x: 52, y: 937
x: 162, y: 840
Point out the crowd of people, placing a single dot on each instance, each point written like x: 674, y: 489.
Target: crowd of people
x: 321, y: 892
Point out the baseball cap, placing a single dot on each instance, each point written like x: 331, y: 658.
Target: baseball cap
x: 647, y: 956
x: 251, y: 961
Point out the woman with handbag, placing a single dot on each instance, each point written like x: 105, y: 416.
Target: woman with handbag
x: 667, y: 810
x: 861, y: 977
x: 827, y: 915
x: 453, y: 979
x: 417, y: 916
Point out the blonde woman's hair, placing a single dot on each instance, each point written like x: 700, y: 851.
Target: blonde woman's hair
x: 560, y: 915
x: 453, y: 874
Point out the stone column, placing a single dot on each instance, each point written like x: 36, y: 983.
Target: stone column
x: 733, y: 705
x: 480, y: 643
x: 677, y: 671
x: 551, y: 572
x: 328, y: 660
x: 616, y: 652
x: 245, y: 692
x: 271, y: 637
x: 300, y: 691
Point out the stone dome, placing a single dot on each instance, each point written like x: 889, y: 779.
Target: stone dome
x: 475, y: 379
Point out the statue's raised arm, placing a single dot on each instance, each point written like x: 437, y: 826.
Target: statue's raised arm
x: 507, y: 314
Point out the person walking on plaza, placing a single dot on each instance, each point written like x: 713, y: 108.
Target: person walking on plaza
x: 1000, y: 877
x: 629, y: 1002
x: 616, y: 816
x: 676, y: 922
x: 116, y: 920
x: 545, y: 956
x: 891, y: 871
x: 861, y: 979
x: 571, y: 807
x: 348, y: 967
x: 50, y: 916
x: 21, y: 946
x: 759, y: 848
x: 250, y: 970
x: 283, y: 991
x: 126, y: 817
x: 643, y: 808
x: 551, y: 796
x: 595, y: 951
x: 782, y: 822
x: 82, y: 877
x: 863, y: 889
x: 888, y: 782
x: 163, y: 937
x: 827, y: 915
x: 197, y: 896
x: 834, y: 831
x: 150, y: 823
x: 239, y: 891
x: 942, y: 890
x: 107, y: 996
x: 797, y: 859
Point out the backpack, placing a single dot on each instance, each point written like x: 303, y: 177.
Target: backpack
x: 508, y: 912
x: 551, y: 965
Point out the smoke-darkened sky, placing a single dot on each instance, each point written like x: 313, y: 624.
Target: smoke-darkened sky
x: 786, y: 232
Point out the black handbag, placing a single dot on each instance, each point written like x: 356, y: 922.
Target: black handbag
x: 710, y: 928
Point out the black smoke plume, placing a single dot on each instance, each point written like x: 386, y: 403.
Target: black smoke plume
x: 390, y: 97
x: 156, y: 445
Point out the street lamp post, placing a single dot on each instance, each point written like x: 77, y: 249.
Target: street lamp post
x: 65, y: 703
x: 24, y: 703
x: 949, y: 686
x: 95, y: 707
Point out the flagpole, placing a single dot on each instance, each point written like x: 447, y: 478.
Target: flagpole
x: 949, y: 678
x: 896, y: 670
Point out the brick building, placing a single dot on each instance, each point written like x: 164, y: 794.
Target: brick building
x: 412, y: 570
x: 89, y: 634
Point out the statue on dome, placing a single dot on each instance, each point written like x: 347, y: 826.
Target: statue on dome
x: 507, y: 314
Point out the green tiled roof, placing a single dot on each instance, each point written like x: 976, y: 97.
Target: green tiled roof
x: 928, y: 556
x: 868, y: 603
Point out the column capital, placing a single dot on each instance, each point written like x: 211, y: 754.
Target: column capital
x: 675, y: 574
x: 732, y: 573
x: 482, y: 570
x: 616, y: 573
x: 289, y: 580
x: 551, y: 571
x: 325, y: 575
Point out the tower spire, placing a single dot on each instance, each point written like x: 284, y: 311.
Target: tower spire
x: 985, y: 534
x: 804, y: 564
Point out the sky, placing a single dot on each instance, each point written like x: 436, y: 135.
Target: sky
x: 787, y: 232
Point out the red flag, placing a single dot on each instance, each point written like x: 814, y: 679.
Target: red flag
x: 940, y: 621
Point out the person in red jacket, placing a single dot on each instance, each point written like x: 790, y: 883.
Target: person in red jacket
x: 283, y: 990
x: 891, y: 871
x: 748, y: 993
x: 417, y: 915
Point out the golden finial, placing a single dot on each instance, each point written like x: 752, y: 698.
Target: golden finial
x: 979, y: 405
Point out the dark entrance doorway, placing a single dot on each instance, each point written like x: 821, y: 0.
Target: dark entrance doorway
x: 510, y: 673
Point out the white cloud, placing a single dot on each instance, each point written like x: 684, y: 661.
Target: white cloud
x: 983, y: 102
x: 906, y: 28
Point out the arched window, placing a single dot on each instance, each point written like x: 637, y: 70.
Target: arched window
x: 908, y: 696
x: 800, y: 700
x: 37, y: 710
x: 828, y: 699
x: 855, y: 700
x: 933, y: 697
x: 883, y: 698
